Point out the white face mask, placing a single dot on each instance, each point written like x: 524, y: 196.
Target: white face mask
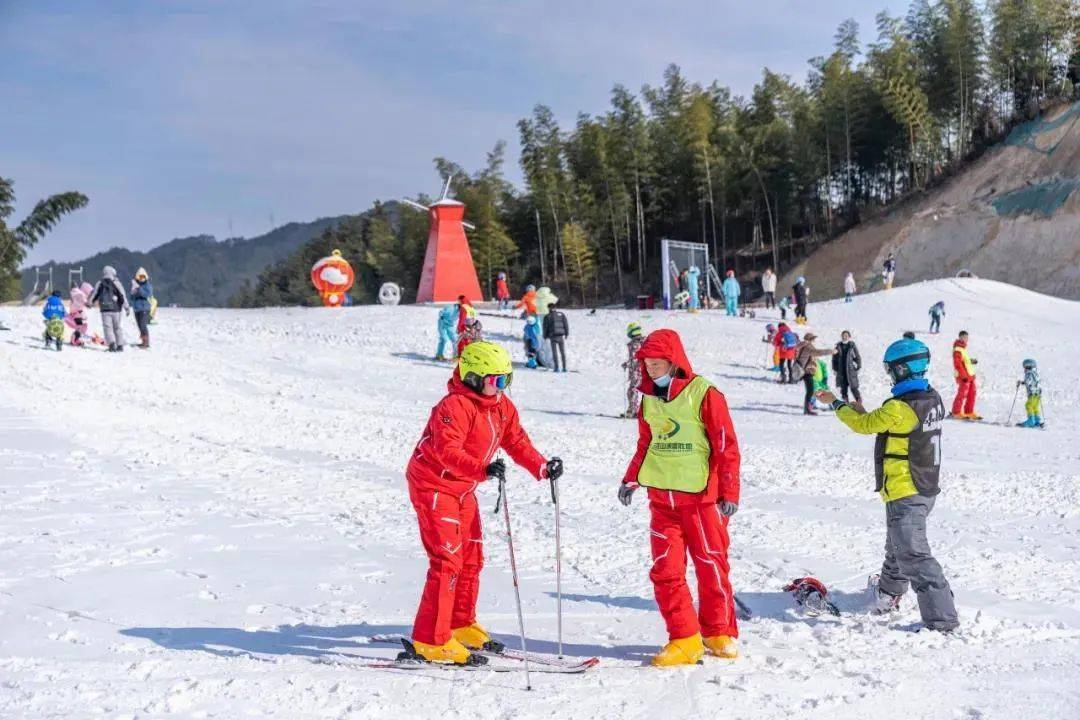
x: 663, y: 381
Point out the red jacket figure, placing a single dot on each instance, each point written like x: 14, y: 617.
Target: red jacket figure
x: 456, y: 452
x: 688, y: 456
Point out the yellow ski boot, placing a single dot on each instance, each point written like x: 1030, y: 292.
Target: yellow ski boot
x: 681, y: 651
x: 451, y: 652
x: 722, y: 646
x: 475, y: 637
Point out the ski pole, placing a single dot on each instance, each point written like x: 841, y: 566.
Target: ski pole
x: 558, y: 560
x: 513, y: 572
x: 1013, y: 406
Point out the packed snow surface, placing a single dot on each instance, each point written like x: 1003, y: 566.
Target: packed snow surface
x: 214, y: 528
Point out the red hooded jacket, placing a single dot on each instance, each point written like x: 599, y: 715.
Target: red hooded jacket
x: 778, y: 342
x: 461, y: 437
x: 724, y: 460
x: 502, y: 292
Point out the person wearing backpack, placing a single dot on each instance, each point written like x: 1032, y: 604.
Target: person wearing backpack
x: 846, y: 364
x: 785, y: 341
x: 556, y: 330
x: 111, y: 300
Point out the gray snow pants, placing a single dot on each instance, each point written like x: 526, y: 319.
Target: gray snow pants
x: 114, y: 332
x: 908, y: 560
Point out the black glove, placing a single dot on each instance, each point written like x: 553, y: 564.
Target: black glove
x: 554, y: 468
x: 727, y: 509
x: 497, y: 469
x: 626, y: 492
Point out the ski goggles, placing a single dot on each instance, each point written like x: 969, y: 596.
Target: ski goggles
x: 499, y: 382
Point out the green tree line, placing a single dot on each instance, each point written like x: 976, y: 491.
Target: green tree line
x: 757, y: 178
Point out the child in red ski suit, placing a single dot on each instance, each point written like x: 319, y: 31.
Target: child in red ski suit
x: 454, y: 455
x: 688, y: 457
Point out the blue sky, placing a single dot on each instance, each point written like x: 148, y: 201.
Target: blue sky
x: 182, y: 118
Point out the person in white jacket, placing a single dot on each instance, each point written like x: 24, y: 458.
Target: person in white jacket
x: 768, y: 285
x: 849, y: 287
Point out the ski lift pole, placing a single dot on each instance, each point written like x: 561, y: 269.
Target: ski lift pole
x: 558, y: 561
x: 513, y: 572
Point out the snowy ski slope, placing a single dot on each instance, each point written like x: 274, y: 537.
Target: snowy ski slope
x: 212, y: 528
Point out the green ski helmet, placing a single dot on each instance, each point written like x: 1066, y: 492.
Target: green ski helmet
x: 481, y: 359
x: 633, y: 330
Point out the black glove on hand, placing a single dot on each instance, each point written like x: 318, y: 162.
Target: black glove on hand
x: 626, y: 492
x: 497, y: 469
x: 727, y: 509
x: 554, y: 468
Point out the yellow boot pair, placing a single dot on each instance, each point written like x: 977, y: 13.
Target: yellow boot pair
x: 690, y: 650
x: 456, y: 650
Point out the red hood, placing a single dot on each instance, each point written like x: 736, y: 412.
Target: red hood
x: 456, y: 387
x: 959, y: 343
x: 664, y: 344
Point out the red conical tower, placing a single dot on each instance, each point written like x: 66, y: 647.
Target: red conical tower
x: 448, y: 265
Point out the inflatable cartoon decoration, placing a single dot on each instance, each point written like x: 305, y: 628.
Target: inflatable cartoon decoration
x: 389, y: 294
x: 332, y: 277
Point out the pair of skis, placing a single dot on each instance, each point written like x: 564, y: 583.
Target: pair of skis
x: 495, y: 659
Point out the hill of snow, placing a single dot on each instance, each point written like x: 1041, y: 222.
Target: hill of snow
x: 207, y: 529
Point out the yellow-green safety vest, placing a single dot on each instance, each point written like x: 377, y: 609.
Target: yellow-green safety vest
x: 678, y: 454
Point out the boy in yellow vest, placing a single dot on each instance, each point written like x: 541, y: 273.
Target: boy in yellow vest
x: 688, y: 457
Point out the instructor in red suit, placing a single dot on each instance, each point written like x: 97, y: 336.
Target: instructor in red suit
x: 688, y: 458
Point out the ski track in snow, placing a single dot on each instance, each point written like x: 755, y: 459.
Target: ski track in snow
x: 202, y: 530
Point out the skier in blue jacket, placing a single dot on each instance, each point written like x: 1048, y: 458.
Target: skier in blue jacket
x: 141, y: 293
x: 692, y: 286
x: 54, y: 314
x: 448, y: 318
x: 732, y: 291
x: 534, y: 342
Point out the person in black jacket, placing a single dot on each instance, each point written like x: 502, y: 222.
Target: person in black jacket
x: 110, y: 298
x: 802, y: 294
x: 556, y: 330
x: 846, y: 364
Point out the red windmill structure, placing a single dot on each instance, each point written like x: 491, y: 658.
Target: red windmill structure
x: 448, y: 265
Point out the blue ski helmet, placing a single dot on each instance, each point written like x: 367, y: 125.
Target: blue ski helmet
x: 907, y: 358
x: 1029, y: 363
x: 800, y: 280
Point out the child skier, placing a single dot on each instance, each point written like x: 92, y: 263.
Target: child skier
x: 533, y: 342
x: 784, y: 303
x: 846, y: 364
x: 770, y: 336
x: 633, y: 369
x: 806, y: 356
x: 688, y: 457
x: 455, y: 454
x: 1034, y: 395
x: 76, y: 318
x: 473, y: 331
x: 937, y: 311
x: 141, y: 292
x: 907, y: 461
x: 447, y: 335
x: 54, y: 313
x: 786, y: 342
x: 110, y: 298
x: 502, y: 291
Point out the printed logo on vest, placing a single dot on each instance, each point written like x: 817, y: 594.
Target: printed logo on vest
x: 669, y: 429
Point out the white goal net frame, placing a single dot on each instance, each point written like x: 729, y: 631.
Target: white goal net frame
x: 676, y: 256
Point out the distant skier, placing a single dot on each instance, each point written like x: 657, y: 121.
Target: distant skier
x: 783, y: 305
x: 963, y: 407
x: 473, y: 332
x: 888, y: 270
x: 447, y: 335
x: 937, y: 311
x: 907, y: 461
x: 846, y: 364
x: 806, y: 356
x: 688, y: 456
x: 53, y: 314
x: 692, y: 275
x: 849, y: 287
x: 465, y: 311
x: 502, y: 291
x: 527, y: 301
x: 633, y: 369
x: 534, y: 342
x: 732, y: 290
x: 768, y: 286
x: 110, y: 299
x: 802, y: 294
x: 455, y: 453
x: 1034, y: 395
x: 141, y: 293
x: 769, y: 339
x: 556, y: 330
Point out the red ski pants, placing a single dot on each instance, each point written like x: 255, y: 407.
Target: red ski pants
x: 451, y: 534
x: 964, y: 403
x: 701, y: 530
